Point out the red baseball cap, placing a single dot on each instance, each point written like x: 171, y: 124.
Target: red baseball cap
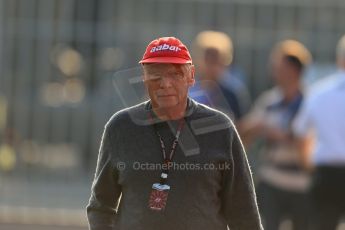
x: 166, y: 50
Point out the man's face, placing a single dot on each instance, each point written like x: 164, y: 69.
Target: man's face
x: 167, y: 84
x: 283, y: 72
x: 212, y: 67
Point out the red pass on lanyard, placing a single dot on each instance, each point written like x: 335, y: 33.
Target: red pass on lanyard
x: 159, y: 196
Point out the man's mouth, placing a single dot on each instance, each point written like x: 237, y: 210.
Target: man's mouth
x: 169, y: 95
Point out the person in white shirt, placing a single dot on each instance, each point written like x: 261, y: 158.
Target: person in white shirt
x: 320, y: 128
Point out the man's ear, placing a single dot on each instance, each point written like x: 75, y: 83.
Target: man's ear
x: 143, y: 73
x: 191, y: 79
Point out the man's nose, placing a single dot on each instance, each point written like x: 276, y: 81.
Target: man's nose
x: 165, y: 82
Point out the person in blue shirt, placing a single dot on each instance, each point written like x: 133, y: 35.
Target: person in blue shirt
x: 215, y: 86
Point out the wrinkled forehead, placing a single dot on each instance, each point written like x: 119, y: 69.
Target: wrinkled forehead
x: 164, y: 67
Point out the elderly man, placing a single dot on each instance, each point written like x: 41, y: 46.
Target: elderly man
x: 182, y: 164
x: 323, y: 112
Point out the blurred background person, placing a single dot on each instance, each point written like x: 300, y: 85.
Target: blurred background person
x: 7, y: 153
x: 282, y: 181
x: 215, y: 87
x: 321, y: 120
x: 3, y: 113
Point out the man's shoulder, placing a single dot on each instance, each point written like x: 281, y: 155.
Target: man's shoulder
x: 206, y: 111
x: 128, y: 116
x: 323, y: 91
x: 269, y: 97
x: 206, y: 118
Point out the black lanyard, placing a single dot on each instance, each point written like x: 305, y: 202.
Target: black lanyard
x: 168, y: 159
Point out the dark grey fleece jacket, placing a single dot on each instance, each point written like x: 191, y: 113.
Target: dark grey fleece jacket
x: 211, y: 183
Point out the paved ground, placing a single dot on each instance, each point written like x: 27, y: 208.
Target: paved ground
x: 49, y: 192
x: 43, y: 203
x: 48, y: 204
x: 37, y: 227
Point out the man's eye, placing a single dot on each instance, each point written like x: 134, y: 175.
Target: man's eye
x: 177, y: 76
x: 154, y: 77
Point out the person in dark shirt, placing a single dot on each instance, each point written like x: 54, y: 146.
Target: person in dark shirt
x: 171, y: 163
